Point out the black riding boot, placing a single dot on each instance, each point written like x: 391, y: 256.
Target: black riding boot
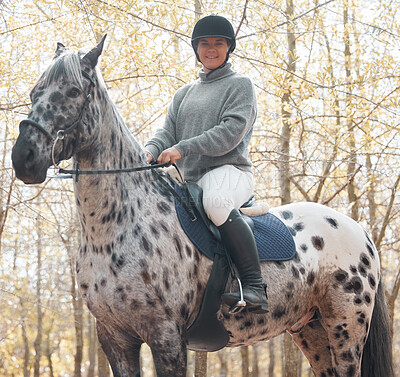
x: 239, y: 242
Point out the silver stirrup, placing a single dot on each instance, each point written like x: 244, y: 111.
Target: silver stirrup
x: 241, y: 304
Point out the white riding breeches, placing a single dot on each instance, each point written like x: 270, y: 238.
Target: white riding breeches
x: 224, y: 189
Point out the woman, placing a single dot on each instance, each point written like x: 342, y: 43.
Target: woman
x: 207, y: 133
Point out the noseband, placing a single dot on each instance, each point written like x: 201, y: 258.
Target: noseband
x: 61, y: 133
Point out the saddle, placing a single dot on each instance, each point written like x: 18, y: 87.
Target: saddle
x: 207, y: 333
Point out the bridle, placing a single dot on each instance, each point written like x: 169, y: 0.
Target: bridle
x: 60, y: 135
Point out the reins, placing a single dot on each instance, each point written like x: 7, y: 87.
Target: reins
x: 77, y: 172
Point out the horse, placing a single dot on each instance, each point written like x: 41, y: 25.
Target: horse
x: 143, y: 279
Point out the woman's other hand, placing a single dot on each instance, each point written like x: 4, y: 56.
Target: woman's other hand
x: 171, y: 154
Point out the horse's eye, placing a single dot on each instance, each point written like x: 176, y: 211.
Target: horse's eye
x: 73, y: 93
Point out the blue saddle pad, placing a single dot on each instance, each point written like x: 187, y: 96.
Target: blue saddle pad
x: 273, y: 238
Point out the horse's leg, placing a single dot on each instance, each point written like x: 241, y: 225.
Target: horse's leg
x: 347, y: 320
x: 122, y: 351
x: 314, y: 343
x: 168, y: 347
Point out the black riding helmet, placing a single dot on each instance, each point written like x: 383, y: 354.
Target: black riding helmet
x: 213, y: 26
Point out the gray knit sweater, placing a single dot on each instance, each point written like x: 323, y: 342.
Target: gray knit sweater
x: 210, y: 122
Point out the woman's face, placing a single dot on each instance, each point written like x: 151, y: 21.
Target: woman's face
x: 212, y: 52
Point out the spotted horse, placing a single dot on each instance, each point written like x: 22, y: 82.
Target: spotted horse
x: 143, y: 279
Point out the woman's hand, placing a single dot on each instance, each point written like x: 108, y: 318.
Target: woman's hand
x: 170, y: 154
x: 149, y: 157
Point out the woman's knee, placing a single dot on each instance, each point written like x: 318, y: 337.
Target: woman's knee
x: 218, y: 208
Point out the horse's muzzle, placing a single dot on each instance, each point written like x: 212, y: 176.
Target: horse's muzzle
x: 28, y: 165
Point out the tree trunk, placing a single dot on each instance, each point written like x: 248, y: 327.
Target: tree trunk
x: 103, y: 365
x: 48, y: 356
x: 291, y: 352
x: 38, y: 341
x: 223, y: 371
x: 254, y: 370
x: 26, y: 347
x: 77, y: 305
x: 351, y: 166
x: 271, y: 349
x: 284, y: 141
x: 200, y: 369
x: 244, y: 351
x: 91, y: 345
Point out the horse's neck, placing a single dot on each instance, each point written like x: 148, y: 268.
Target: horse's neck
x: 114, y: 147
x: 106, y: 201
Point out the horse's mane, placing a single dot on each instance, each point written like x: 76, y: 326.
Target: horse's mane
x: 67, y: 66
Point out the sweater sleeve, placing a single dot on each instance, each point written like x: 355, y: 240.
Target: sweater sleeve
x: 165, y: 137
x: 238, y: 116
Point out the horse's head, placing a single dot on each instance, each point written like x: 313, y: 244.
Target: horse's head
x: 63, y: 116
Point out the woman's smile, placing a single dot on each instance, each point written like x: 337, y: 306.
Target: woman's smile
x: 212, y: 52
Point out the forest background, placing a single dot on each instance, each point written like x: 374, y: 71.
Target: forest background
x: 327, y: 77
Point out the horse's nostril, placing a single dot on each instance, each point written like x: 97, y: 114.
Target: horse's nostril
x: 30, y: 155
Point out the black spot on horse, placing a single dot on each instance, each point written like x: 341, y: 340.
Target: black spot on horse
x: 56, y: 97
x: 318, y: 242
x: 287, y: 215
x: 48, y: 115
x: 304, y: 248
x: 280, y: 265
x: 298, y: 227
x: 332, y: 222
x: 304, y: 345
x: 146, y: 277
x: 178, y: 246
x: 163, y: 207
x: 358, y: 301
x: 341, y: 276
x: 147, y: 246
x: 154, y: 230
x: 370, y: 250
x: 311, y: 278
x: 296, y: 258
x: 355, y: 285
x: 371, y: 281
x: 351, y: 370
x: 365, y: 260
x: 279, y: 312
x: 295, y: 272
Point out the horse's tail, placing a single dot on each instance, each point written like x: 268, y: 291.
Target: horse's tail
x: 377, y: 356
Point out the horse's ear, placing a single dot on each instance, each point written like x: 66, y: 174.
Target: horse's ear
x: 92, y: 56
x: 60, y: 49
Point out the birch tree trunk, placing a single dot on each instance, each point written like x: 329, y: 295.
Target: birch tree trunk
x: 351, y: 167
x: 271, y: 366
x: 200, y: 369
x: 244, y: 352
x: 91, y: 345
x: 102, y: 362
x: 290, y: 349
x: 77, y: 305
x: 39, y: 335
